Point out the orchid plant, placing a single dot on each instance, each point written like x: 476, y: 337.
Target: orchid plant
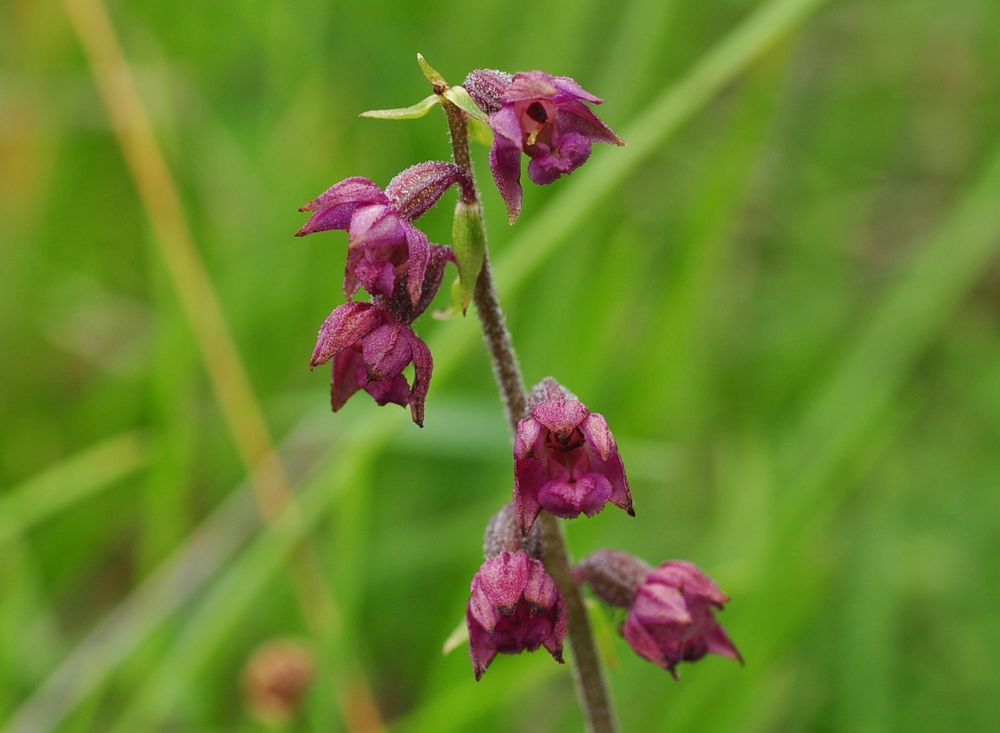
x: 566, y: 462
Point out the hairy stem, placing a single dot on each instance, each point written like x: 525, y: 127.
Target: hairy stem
x: 591, y: 684
x: 504, y: 358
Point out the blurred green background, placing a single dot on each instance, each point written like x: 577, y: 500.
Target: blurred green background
x: 782, y: 295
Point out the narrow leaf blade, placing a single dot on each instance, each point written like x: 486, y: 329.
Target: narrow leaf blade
x: 429, y: 72
x: 413, y: 112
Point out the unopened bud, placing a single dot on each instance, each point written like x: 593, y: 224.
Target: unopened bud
x: 503, y: 534
x: 276, y: 679
x: 615, y: 576
x: 487, y: 87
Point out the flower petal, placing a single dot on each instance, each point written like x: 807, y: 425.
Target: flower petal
x: 577, y: 117
x: 505, y: 164
x: 643, y: 642
x: 346, y: 325
x: 354, y: 190
x: 418, y: 248
x: 572, y: 151
x: 348, y: 376
x: 598, y: 434
x: 660, y: 604
x: 376, y: 226
x: 569, y: 85
x: 528, y: 431
x: 561, y: 416
x: 395, y: 390
x: 481, y: 646
x: 387, y: 351
x: 689, y: 578
x: 529, y: 85
x: 423, y: 365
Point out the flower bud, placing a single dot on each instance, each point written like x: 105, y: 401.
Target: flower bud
x: 487, y: 88
x: 613, y: 575
x: 276, y: 679
x: 503, y: 534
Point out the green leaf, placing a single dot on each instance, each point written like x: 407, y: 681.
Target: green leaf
x: 469, y: 242
x: 461, y: 99
x: 456, y: 638
x: 430, y: 73
x: 413, y: 112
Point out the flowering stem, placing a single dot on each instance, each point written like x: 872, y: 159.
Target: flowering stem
x: 505, y: 364
x: 591, y: 684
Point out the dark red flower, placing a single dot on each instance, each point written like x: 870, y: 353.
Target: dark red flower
x: 514, y: 606
x: 370, y: 348
x: 383, y: 244
x: 539, y: 114
x: 566, y: 459
x: 671, y: 609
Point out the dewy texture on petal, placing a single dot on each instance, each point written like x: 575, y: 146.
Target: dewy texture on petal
x: 370, y: 349
x: 384, y: 247
x: 565, y: 459
x: 672, y: 620
x: 514, y: 606
x: 541, y: 115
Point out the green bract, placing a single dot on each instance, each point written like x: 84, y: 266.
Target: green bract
x: 469, y: 243
x: 413, y: 112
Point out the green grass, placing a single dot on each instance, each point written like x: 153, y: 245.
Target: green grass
x: 782, y: 294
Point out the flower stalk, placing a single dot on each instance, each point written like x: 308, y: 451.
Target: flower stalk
x: 592, y: 687
x: 526, y: 594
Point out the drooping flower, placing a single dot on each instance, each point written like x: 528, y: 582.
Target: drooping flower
x: 514, y: 606
x: 539, y: 114
x: 383, y: 244
x: 566, y: 459
x: 371, y: 344
x: 671, y: 608
x: 370, y: 348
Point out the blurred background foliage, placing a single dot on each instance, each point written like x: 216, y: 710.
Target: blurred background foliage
x: 783, y: 296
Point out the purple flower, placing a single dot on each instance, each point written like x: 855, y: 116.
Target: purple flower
x: 671, y: 618
x: 566, y: 459
x: 383, y: 244
x: 539, y: 114
x: 370, y: 348
x: 514, y: 606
